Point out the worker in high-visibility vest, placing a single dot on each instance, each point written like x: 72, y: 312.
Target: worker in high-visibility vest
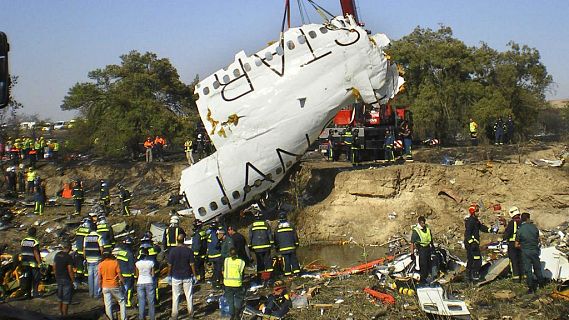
x: 422, y: 241
x: 30, y: 179
x: 170, y: 237
x: 286, y: 242
x: 473, y: 129
x: 261, y: 241
x: 233, y: 268
x: 515, y: 254
x: 31, y: 260
x: 189, y: 149
x: 126, y: 261
x: 93, y: 252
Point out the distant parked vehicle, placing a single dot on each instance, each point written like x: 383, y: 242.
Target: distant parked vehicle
x: 59, y: 125
x: 71, y: 123
x: 46, y: 127
x: 27, y: 125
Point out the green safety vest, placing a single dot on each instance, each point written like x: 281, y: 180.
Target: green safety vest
x: 233, y: 272
x: 425, y: 236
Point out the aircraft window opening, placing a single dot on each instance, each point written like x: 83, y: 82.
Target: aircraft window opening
x: 324, y: 30
x: 301, y: 39
x: 213, y: 206
x: 224, y: 201
x: 247, y: 188
x: 226, y: 78
x: 206, y: 91
x: 290, y: 45
x: 236, y: 72
x: 258, y: 182
x: 279, y: 170
x: 268, y: 56
x: 280, y: 50
x: 258, y: 62
x: 236, y: 195
x: 202, y: 211
x: 216, y: 84
x: 288, y: 163
x: 312, y: 34
x: 270, y: 176
x: 247, y: 67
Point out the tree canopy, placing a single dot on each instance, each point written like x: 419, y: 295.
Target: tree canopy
x: 448, y: 82
x: 122, y: 104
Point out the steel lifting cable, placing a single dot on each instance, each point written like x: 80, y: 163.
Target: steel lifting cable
x: 299, y: 3
x: 303, y: 8
x: 321, y: 11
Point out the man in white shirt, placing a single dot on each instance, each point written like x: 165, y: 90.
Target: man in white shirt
x: 145, y: 284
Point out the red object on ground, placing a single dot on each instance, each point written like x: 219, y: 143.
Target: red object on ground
x: 385, y: 298
x: 265, y: 276
x: 358, y: 269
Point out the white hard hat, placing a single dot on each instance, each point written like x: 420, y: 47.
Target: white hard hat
x: 174, y: 219
x: 514, y: 211
x: 199, y: 135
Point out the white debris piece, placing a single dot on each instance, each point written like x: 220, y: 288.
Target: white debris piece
x: 555, y: 264
x: 434, y: 301
x: 263, y: 111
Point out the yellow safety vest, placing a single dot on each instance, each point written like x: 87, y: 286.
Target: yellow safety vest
x: 425, y: 236
x: 233, y: 272
x: 473, y: 127
x: 31, y: 175
x: 513, y: 237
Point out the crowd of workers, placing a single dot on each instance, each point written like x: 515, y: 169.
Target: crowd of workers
x: 115, y: 270
x: 29, y: 149
x: 200, y: 146
x: 521, y: 235
x: 502, y: 131
x: 396, y: 141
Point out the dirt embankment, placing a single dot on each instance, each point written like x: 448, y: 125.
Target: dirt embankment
x: 357, y: 203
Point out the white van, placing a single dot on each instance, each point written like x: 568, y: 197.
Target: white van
x: 59, y: 125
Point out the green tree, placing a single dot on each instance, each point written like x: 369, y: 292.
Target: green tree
x: 448, y: 82
x: 142, y: 96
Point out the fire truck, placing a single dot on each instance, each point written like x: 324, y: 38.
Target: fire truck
x: 358, y: 130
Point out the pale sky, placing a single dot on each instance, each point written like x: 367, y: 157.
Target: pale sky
x: 55, y: 43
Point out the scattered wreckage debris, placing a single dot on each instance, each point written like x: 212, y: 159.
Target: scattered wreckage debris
x: 385, y: 298
x: 357, y: 269
x: 555, y: 264
x: 496, y: 269
x: 433, y: 300
x: 545, y: 163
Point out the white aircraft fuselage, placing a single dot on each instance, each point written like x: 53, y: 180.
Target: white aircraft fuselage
x: 264, y: 111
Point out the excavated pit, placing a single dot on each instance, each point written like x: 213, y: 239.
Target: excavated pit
x: 359, y: 204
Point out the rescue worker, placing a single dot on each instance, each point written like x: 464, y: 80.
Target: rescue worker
x: 21, y: 179
x: 357, y: 145
x: 422, y: 241
x: 153, y: 251
x: 515, y: 254
x: 234, y: 292
x: 78, y: 196
x: 148, y: 146
x: 286, y: 242
x: 261, y: 241
x: 527, y: 239
x: 11, y: 179
x: 126, y: 261
x: 189, y: 149
x: 214, y: 254
x: 79, y: 258
x: 159, y: 144
x: 105, y: 196
x: 509, y: 129
x: 200, y: 146
x: 473, y: 226
x: 31, y: 260
x: 499, y: 131
x: 473, y: 129
x: 348, y: 140
x: 388, y: 146
x: 93, y: 251
x: 278, y: 303
x: 106, y: 232
x: 199, y: 247
x: 170, y: 237
x: 30, y: 179
x: 124, y: 197
x: 405, y: 132
x: 39, y: 198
